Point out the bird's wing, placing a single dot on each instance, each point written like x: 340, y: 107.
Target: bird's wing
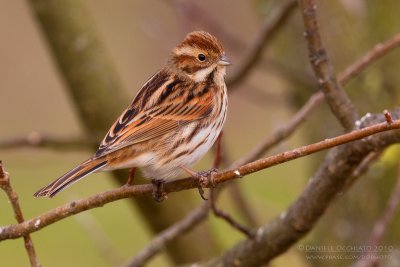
x: 155, y: 112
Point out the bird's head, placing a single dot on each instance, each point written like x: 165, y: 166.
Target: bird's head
x: 198, y: 55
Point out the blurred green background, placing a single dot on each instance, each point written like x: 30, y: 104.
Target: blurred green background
x: 139, y: 36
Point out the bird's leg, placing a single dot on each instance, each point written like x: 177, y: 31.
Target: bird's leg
x: 204, y: 178
x: 131, y: 176
x: 158, y: 190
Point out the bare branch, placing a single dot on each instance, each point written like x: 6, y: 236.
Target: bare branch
x: 316, y: 99
x: 225, y: 216
x: 362, y: 168
x: 99, y: 239
x: 59, y: 213
x: 241, y: 202
x: 283, y: 131
x: 13, y: 197
x: 36, y: 139
x: 158, y: 243
x: 375, y: 53
x: 339, y: 102
x: 381, y: 226
x: 192, y: 13
x: 277, y: 236
x: 268, y: 30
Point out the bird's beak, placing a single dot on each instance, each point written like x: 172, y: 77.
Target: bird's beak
x: 224, y: 61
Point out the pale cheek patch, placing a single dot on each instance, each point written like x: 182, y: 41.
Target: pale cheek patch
x: 201, y: 75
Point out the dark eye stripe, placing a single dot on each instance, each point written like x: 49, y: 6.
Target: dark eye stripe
x: 190, y: 69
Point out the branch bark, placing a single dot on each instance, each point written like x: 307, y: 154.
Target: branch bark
x: 268, y: 30
x: 13, y: 198
x: 59, y: 213
x: 338, y: 101
x: 380, y: 227
x: 316, y: 99
x: 159, y: 242
x: 277, y: 236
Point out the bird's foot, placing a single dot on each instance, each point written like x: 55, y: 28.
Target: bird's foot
x: 158, y: 190
x: 204, y: 179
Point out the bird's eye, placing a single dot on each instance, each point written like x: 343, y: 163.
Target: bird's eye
x: 201, y: 57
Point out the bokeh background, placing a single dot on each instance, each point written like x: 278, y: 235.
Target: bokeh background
x: 139, y: 35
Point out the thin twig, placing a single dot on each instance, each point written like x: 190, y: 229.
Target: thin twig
x: 305, y: 150
x: 226, y: 217
x: 339, y: 102
x: 13, y: 197
x: 159, y: 242
x: 381, y: 225
x: 362, y: 168
x: 218, y: 157
x: 283, y: 131
x: 242, y: 204
x: 237, y: 196
x: 36, y: 139
x: 59, y: 213
x: 214, y: 192
x: 316, y: 99
x: 269, y: 28
x: 192, y: 13
x: 100, y: 240
x: 275, y: 237
x: 378, y: 51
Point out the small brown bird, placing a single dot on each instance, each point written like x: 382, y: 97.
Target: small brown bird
x: 171, y: 123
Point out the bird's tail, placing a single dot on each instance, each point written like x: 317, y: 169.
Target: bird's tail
x: 74, y: 175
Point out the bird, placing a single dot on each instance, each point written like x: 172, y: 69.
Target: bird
x: 173, y: 120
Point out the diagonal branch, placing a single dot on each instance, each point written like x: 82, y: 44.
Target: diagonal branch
x: 316, y: 99
x: 381, y: 225
x: 277, y: 236
x: 339, y: 102
x: 190, y: 221
x: 268, y: 30
x: 13, y: 198
x: 59, y: 213
x: 375, y: 53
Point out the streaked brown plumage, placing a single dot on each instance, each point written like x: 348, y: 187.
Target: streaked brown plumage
x: 171, y: 123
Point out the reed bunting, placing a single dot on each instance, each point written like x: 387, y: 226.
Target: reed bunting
x: 171, y: 123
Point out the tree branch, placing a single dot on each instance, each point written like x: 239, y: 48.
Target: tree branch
x: 159, y: 242
x: 268, y: 30
x: 339, y: 102
x: 283, y: 131
x: 381, y: 226
x: 36, y: 139
x: 276, y: 237
x: 13, y: 198
x: 316, y: 99
x: 59, y: 213
x: 375, y: 53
